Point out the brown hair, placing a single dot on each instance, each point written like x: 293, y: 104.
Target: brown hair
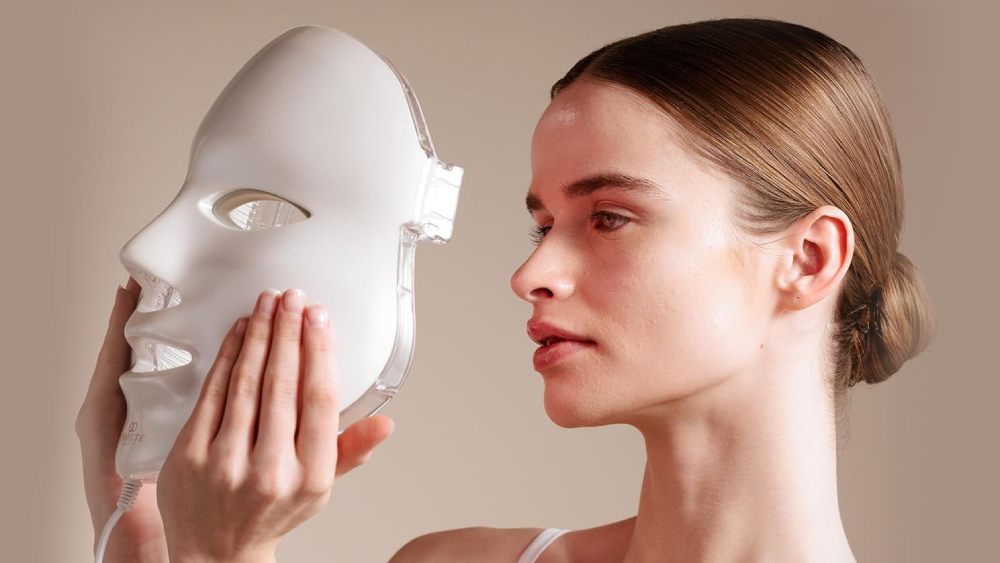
x: 795, y: 117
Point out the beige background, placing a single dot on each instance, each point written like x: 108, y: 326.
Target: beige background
x: 101, y: 100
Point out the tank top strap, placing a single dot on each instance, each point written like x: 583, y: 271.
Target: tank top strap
x: 543, y: 540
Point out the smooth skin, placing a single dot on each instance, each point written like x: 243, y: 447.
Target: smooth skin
x: 259, y: 454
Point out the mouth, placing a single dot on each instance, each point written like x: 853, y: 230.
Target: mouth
x: 555, y: 340
x: 558, y: 350
x: 158, y: 356
x: 150, y: 352
x: 546, y: 334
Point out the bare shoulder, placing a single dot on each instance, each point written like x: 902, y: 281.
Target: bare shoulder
x: 487, y: 545
x: 503, y: 545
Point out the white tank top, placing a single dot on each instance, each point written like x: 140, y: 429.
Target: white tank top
x: 541, y: 541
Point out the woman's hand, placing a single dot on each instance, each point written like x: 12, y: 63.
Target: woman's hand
x: 138, y: 536
x: 259, y: 454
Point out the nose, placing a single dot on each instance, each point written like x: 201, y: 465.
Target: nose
x: 544, y: 275
x: 157, y: 249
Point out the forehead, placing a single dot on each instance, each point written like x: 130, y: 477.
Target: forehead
x: 604, y: 121
x: 594, y: 128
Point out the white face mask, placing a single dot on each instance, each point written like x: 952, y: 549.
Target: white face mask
x: 313, y: 169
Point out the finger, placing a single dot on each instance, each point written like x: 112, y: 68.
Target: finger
x: 115, y: 350
x: 132, y: 287
x: 203, y: 424
x: 316, y: 442
x: 357, y: 443
x: 279, y: 396
x: 236, y: 432
x: 115, y: 357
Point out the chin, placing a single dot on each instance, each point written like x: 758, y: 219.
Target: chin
x: 569, y: 407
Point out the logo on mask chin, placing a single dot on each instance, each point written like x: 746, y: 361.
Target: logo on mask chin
x: 131, y: 434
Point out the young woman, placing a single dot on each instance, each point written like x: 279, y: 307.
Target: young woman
x: 718, y: 208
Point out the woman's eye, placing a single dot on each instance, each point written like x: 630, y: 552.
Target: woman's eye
x: 617, y: 221
x: 538, y: 233
x: 605, y: 218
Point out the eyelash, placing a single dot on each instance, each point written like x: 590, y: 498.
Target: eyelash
x: 538, y: 233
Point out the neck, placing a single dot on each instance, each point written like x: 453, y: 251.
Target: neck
x: 743, y: 471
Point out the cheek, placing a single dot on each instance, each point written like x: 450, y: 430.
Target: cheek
x: 683, y: 319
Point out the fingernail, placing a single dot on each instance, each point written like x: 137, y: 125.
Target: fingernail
x: 241, y: 326
x: 293, y: 300
x: 267, y: 300
x: 317, y: 315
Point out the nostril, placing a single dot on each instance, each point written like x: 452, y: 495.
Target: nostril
x: 541, y: 292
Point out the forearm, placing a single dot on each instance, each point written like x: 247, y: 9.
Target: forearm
x: 136, y: 537
x: 182, y: 554
x: 120, y: 550
x: 190, y: 558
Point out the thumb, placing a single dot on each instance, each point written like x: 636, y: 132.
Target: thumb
x: 356, y: 444
x: 132, y: 287
x: 114, y: 357
x: 126, y: 300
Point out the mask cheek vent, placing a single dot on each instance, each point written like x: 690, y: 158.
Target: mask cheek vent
x: 251, y: 209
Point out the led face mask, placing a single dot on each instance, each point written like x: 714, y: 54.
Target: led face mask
x: 313, y: 169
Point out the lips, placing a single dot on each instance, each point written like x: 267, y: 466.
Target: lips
x: 557, y: 344
x: 151, y: 350
x: 545, y: 333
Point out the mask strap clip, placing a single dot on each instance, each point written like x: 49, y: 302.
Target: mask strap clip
x: 440, y: 201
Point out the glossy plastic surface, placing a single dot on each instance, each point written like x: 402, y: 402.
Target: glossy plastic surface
x: 313, y: 169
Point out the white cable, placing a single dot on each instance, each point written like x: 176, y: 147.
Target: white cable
x: 130, y: 491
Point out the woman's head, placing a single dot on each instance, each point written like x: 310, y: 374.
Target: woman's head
x: 772, y: 216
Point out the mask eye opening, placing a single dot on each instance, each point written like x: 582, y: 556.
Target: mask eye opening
x: 253, y: 209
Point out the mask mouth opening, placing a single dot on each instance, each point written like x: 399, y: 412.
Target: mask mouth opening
x: 149, y: 354
x: 157, y: 356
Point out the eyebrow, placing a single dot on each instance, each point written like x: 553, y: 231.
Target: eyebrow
x: 600, y: 182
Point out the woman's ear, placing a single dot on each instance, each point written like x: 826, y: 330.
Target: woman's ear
x: 817, y: 254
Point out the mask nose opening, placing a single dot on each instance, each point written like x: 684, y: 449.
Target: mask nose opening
x: 155, y: 294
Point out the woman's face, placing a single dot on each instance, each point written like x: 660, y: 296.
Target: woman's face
x: 673, y: 298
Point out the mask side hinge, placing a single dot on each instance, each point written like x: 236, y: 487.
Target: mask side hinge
x: 440, y: 201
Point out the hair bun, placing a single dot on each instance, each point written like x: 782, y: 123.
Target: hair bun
x: 898, y: 323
